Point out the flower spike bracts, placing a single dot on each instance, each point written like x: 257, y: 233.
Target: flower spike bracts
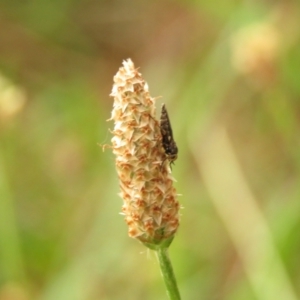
x: 150, y: 204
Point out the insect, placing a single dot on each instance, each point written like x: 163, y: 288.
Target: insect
x: 168, y: 142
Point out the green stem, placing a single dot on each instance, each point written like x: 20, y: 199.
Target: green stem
x: 167, y: 273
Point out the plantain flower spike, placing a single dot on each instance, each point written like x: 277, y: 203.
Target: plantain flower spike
x: 150, y: 201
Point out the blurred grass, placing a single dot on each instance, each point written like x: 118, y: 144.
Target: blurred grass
x: 60, y: 233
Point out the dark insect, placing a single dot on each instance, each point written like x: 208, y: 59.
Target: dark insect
x: 168, y: 142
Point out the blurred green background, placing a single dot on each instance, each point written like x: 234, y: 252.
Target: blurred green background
x: 228, y: 72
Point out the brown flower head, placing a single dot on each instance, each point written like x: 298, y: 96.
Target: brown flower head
x: 150, y: 206
x: 255, y: 50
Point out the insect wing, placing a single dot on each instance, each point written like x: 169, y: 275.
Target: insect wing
x: 165, y: 124
x: 168, y: 142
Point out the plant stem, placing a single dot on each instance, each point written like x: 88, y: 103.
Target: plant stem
x: 167, y: 273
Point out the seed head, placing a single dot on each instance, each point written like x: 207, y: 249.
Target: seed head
x: 150, y: 203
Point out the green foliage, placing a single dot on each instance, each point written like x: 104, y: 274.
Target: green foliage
x: 61, y: 236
